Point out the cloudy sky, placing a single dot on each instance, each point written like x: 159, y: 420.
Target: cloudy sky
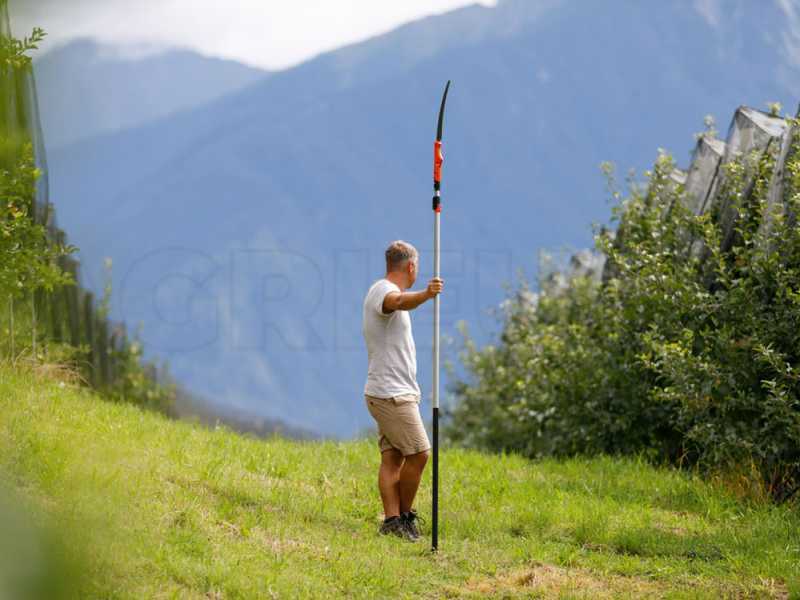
x: 266, y: 33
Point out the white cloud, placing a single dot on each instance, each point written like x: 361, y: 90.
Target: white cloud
x: 266, y: 33
x: 791, y: 34
x: 709, y: 10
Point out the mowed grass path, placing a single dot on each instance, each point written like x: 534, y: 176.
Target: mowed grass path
x: 151, y: 508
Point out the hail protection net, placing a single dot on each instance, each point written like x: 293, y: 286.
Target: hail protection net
x: 703, y: 172
x: 67, y: 314
x: 752, y: 135
x: 19, y: 118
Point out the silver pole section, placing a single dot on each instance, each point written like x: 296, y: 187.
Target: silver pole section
x: 436, y: 273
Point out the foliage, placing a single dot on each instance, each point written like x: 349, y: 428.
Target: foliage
x: 29, y: 257
x: 139, y: 381
x: 15, y: 53
x: 15, y: 66
x: 157, y: 508
x: 690, y: 353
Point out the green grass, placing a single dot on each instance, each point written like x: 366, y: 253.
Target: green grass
x: 137, y: 506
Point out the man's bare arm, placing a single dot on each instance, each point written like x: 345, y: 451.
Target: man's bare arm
x: 410, y: 300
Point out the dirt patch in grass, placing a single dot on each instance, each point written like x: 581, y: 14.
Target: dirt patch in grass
x: 673, y: 529
x: 548, y: 581
x: 274, y: 544
x: 540, y: 580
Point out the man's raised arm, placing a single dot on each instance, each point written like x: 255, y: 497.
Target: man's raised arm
x: 410, y: 300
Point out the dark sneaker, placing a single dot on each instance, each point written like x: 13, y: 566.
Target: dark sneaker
x: 410, y: 520
x: 394, y: 526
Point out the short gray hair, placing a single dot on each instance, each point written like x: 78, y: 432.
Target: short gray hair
x: 399, y: 252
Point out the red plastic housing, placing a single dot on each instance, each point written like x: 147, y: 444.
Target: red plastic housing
x: 438, y: 159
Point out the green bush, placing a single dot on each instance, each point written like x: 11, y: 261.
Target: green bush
x: 685, y: 355
x: 29, y: 257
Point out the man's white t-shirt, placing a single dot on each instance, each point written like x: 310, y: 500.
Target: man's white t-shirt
x: 390, y: 346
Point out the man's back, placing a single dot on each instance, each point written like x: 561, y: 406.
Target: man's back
x: 391, y: 393
x: 390, y: 346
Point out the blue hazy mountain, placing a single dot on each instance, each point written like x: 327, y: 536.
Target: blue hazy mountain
x: 87, y: 88
x: 245, y: 232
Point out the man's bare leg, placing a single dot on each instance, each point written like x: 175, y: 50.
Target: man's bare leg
x: 410, y: 476
x: 389, y: 482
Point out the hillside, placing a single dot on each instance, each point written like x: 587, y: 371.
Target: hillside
x: 245, y: 232
x: 87, y: 88
x: 134, y: 505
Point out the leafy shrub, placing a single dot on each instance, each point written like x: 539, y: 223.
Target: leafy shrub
x: 685, y: 355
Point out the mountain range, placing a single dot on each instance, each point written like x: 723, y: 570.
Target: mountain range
x: 87, y: 88
x: 244, y: 231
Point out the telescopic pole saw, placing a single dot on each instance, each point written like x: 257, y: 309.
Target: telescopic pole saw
x: 438, y: 159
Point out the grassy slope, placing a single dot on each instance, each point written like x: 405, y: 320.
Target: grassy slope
x: 155, y: 508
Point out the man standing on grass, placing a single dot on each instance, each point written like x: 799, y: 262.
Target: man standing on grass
x: 391, y: 392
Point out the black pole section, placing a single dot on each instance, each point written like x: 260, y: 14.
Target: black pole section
x: 435, y: 474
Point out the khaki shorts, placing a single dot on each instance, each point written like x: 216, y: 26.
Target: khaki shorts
x: 399, y: 424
